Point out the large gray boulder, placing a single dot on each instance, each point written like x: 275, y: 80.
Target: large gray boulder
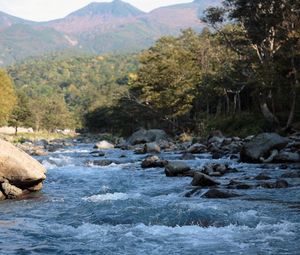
x: 147, y: 136
x: 261, y: 146
x: 176, y: 168
x: 18, y: 168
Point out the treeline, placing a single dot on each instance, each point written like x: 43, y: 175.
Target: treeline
x: 56, y: 93
x: 242, y: 74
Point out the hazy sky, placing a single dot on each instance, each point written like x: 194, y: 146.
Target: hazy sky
x: 42, y: 10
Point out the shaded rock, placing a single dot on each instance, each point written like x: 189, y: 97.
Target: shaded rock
x: 204, y: 180
x: 176, y: 168
x: 187, y: 156
x: 19, y: 168
x: 104, y: 145
x: 139, y: 150
x: 217, y: 169
x: 36, y: 188
x: 292, y: 174
x: 238, y: 185
x: 102, y: 162
x: 287, y: 157
x: 166, y: 145
x: 97, y: 153
x: 261, y: 146
x: 11, y: 191
x: 193, y: 192
x: 261, y: 177
x: 197, y: 148
x: 215, y: 193
x: 281, y: 184
x: 152, y: 148
x: 147, y: 136
x: 152, y: 162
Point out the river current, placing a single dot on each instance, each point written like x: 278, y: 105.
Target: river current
x: 122, y: 209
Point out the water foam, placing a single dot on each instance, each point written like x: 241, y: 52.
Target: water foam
x: 109, y: 197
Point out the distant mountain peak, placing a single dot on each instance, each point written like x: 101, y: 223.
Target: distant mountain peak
x: 116, y: 8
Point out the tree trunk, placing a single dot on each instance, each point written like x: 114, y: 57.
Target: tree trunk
x: 292, y: 111
x: 227, y: 103
x: 268, y: 115
x: 219, y: 108
x: 16, y: 130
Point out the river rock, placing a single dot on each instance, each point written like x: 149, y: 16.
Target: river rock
x: 147, y: 136
x: 262, y: 177
x: 204, y: 180
x: 291, y: 174
x: 279, y: 184
x: 217, y: 169
x: 176, y: 168
x: 197, y: 148
x: 233, y: 184
x: 261, y: 147
x: 287, y: 157
x: 104, y: 145
x: 152, y: 162
x: 101, y: 162
x: 152, y: 148
x: 215, y: 194
x: 19, y: 168
x: 11, y: 191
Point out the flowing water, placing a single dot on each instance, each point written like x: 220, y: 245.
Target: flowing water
x: 122, y: 209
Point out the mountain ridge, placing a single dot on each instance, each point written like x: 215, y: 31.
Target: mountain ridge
x: 113, y: 27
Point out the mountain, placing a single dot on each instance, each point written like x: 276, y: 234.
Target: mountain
x: 7, y: 21
x: 114, y: 27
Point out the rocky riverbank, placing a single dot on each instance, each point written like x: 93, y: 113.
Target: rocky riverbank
x: 266, y: 148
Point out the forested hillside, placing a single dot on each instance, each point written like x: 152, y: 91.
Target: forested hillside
x: 76, y: 85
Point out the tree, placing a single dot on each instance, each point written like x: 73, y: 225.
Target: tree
x: 21, y: 113
x: 51, y: 113
x: 268, y: 27
x: 7, y: 97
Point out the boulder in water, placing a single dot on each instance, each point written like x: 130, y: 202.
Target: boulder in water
x: 218, y: 194
x: 104, y: 145
x: 176, y: 168
x: 101, y: 162
x: 18, y: 168
x: 197, y: 148
x: 261, y: 146
x: 147, y: 136
x: 287, y: 157
x: 203, y: 180
x: 152, y: 148
x: 152, y: 162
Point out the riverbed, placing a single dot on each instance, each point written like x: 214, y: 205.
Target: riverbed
x: 123, y: 209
